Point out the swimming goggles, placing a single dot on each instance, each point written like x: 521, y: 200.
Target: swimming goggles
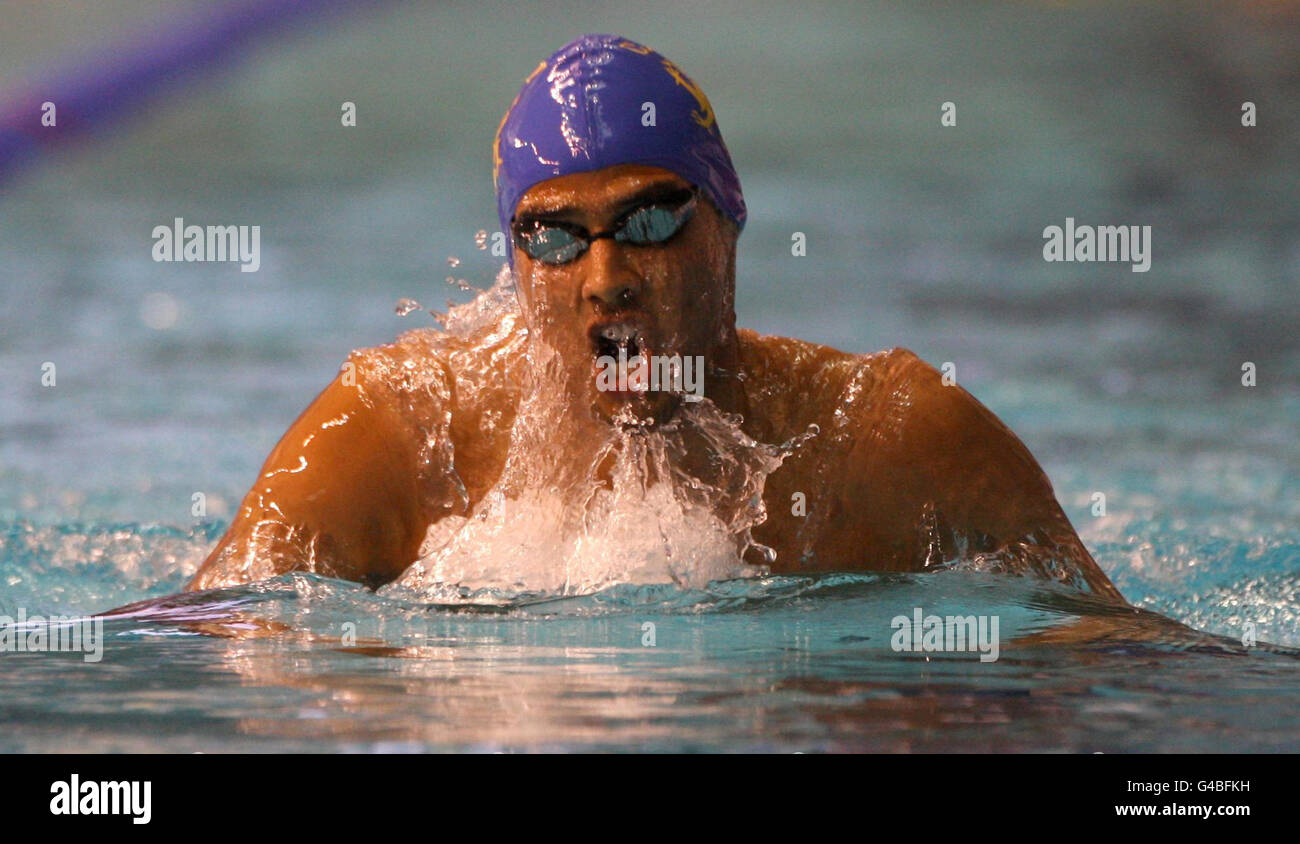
x: 554, y: 242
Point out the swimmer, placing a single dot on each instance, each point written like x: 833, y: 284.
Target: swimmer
x: 624, y: 211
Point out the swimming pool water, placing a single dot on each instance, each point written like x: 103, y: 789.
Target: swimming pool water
x: 177, y: 379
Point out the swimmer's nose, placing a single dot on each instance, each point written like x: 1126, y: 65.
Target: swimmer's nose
x: 609, y: 281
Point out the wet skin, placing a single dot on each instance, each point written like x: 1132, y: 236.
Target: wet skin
x: 905, y: 473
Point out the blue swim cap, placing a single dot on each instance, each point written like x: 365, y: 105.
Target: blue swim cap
x: 585, y: 108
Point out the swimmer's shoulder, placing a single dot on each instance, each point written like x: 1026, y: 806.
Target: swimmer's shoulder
x: 898, y: 407
x: 423, y: 366
x: 767, y: 353
x: 798, y: 378
x: 892, y: 399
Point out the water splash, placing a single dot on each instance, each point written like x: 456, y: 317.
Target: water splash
x: 79, y: 568
x: 485, y: 312
x: 647, y: 519
x: 629, y: 503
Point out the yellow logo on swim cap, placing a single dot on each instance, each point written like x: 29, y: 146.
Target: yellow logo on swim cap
x: 496, y: 139
x: 704, y: 115
x: 634, y: 47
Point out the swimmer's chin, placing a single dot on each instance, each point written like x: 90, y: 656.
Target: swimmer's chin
x: 632, y: 409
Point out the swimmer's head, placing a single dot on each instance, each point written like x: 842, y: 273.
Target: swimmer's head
x: 603, y: 100
x: 623, y: 209
x: 622, y: 300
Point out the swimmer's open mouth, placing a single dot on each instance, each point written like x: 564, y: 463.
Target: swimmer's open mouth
x: 610, y: 338
x: 623, y: 343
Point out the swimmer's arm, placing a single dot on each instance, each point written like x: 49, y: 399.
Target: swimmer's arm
x: 939, y: 473
x: 341, y: 495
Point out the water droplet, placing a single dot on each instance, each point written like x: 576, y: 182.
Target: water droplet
x: 405, y: 306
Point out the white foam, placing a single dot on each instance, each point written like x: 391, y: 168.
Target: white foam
x: 680, y: 529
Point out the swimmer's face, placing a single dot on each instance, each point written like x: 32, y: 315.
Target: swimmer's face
x: 669, y: 298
